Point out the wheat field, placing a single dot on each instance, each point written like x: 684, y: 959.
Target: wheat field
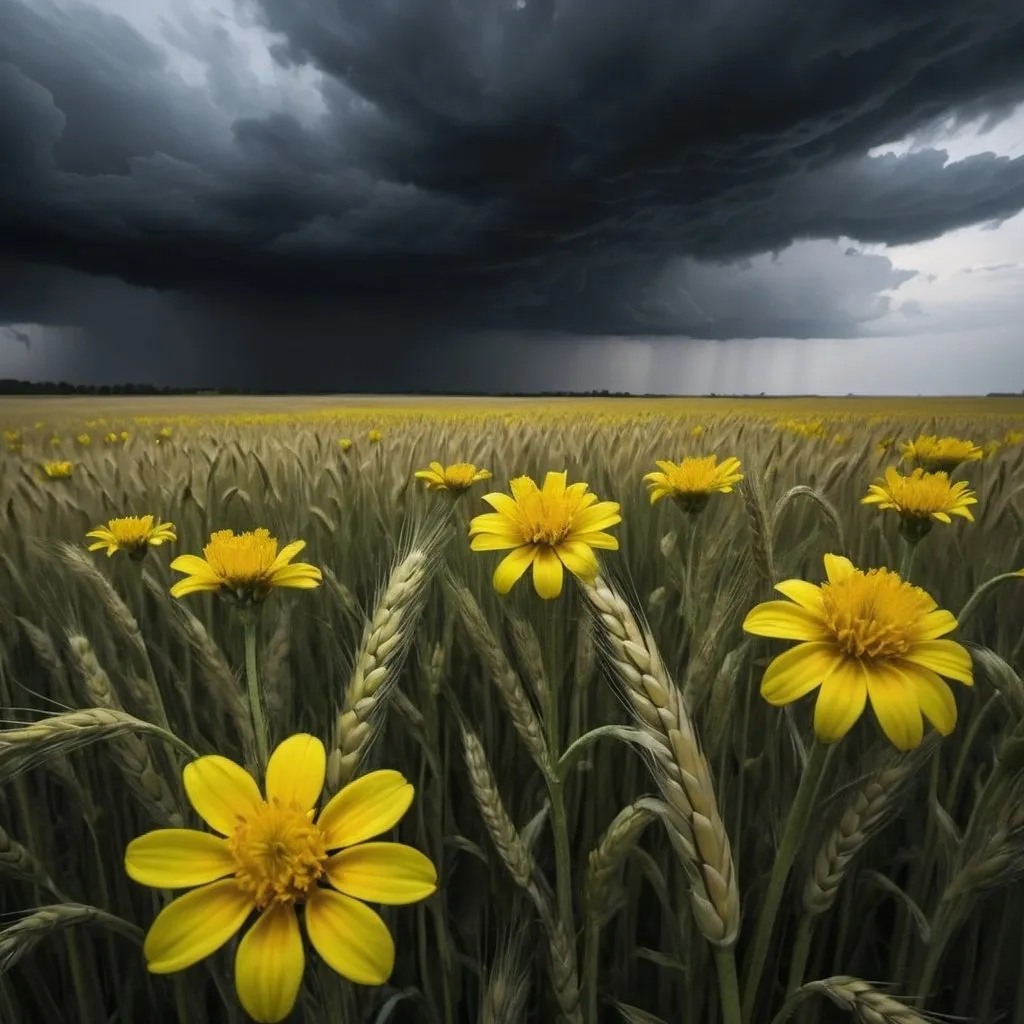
x: 598, y: 782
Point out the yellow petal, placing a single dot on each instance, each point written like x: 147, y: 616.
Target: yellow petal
x: 502, y: 504
x: 785, y: 621
x: 512, y: 566
x: 597, y: 540
x: 547, y: 573
x: 350, y: 937
x: 554, y: 483
x: 177, y: 858
x: 840, y: 702
x: 838, y: 567
x: 269, y: 965
x: 946, y: 657
x: 495, y: 541
x: 597, y: 517
x: 195, y: 925
x: 895, y: 703
x: 935, y: 697
x: 192, y: 585
x: 578, y: 559
x: 935, y: 624
x: 796, y: 672
x: 368, y: 807
x: 286, y: 554
x: 388, y: 873
x: 805, y: 594
x: 194, y: 566
x: 296, y: 770
x: 221, y: 791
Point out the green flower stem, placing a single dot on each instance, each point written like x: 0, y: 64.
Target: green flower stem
x: 259, y: 724
x: 907, y: 563
x: 796, y: 823
x: 728, y: 985
x: 801, y: 950
x: 981, y: 592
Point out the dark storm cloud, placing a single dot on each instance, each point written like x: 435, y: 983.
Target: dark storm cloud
x: 535, y: 163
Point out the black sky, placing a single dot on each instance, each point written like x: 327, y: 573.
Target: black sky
x: 544, y: 166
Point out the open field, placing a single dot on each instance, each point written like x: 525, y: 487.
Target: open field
x: 623, y: 827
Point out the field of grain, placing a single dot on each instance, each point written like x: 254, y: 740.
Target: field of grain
x: 622, y: 827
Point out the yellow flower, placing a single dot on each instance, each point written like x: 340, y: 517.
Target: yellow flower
x: 863, y: 635
x: 1013, y: 437
x: 110, y: 438
x: 270, y: 856
x: 84, y: 440
x: 920, y: 498
x: 58, y: 470
x: 457, y: 477
x: 55, y: 442
x: 133, y: 534
x: 344, y: 444
x: 884, y: 446
x: 248, y: 565
x: 933, y: 454
x: 991, y: 448
x: 374, y: 436
x: 698, y: 431
x: 124, y: 436
x: 546, y: 528
x: 164, y: 434
x: 691, y: 482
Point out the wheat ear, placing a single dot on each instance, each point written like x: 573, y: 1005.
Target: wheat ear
x: 682, y: 772
x: 866, y: 1002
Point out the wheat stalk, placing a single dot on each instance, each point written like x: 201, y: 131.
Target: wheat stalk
x: 680, y: 768
x: 17, y: 861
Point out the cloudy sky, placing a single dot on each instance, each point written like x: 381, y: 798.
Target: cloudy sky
x: 648, y: 195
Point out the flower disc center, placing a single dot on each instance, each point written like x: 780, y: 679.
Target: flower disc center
x: 241, y: 561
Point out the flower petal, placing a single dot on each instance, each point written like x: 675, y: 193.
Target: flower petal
x: 495, y: 541
x: 796, y: 672
x: 578, y: 558
x: 350, y: 937
x: 555, y: 483
x: 177, y: 858
x: 503, y: 504
x: 838, y: 567
x: 597, y: 517
x: 194, y: 566
x: 269, y: 965
x: 805, y: 594
x: 935, y: 697
x: 195, y: 925
x: 895, y: 703
x: 296, y: 770
x: 368, y: 807
x: 547, y: 573
x: 221, y: 791
x: 946, y: 657
x: 512, y: 566
x: 841, y: 701
x: 597, y: 540
x: 785, y: 621
x: 300, y: 574
x: 389, y: 873
x: 935, y: 624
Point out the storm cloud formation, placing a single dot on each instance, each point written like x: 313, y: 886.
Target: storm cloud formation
x: 588, y: 166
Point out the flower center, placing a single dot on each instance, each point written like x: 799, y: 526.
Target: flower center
x: 243, y: 560
x: 873, y: 614
x: 693, y: 476
x: 544, y: 518
x: 131, y: 531
x: 921, y: 494
x: 459, y: 476
x: 280, y: 853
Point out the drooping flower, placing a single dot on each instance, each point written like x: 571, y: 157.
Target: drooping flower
x: 132, y: 534
x: 58, y: 470
x: 457, y: 477
x: 863, y: 636
x: 247, y: 566
x: 939, y: 454
x: 921, y: 498
x: 275, y: 856
x: 548, y: 528
x: 691, y: 483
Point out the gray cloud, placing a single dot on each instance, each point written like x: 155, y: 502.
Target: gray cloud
x: 599, y: 167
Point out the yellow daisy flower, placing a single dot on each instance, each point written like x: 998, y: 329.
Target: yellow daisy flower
x: 691, y: 483
x: 934, y: 454
x: 920, y: 498
x: 374, y: 436
x: 110, y: 438
x: 344, y: 444
x: 84, y: 440
x: 271, y: 855
x: 58, y: 470
x: 132, y: 534
x: 863, y: 636
x: 548, y: 528
x: 457, y: 477
x: 885, y: 445
x: 247, y: 564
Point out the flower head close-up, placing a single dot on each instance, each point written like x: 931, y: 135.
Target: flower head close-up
x: 863, y: 636
x: 691, y: 483
x: 920, y: 499
x: 274, y: 856
x: 134, y: 535
x: 547, y: 527
x: 457, y: 477
x: 58, y: 470
x: 245, y: 565
x: 939, y: 454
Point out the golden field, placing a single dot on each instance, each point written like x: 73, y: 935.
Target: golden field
x: 621, y: 816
